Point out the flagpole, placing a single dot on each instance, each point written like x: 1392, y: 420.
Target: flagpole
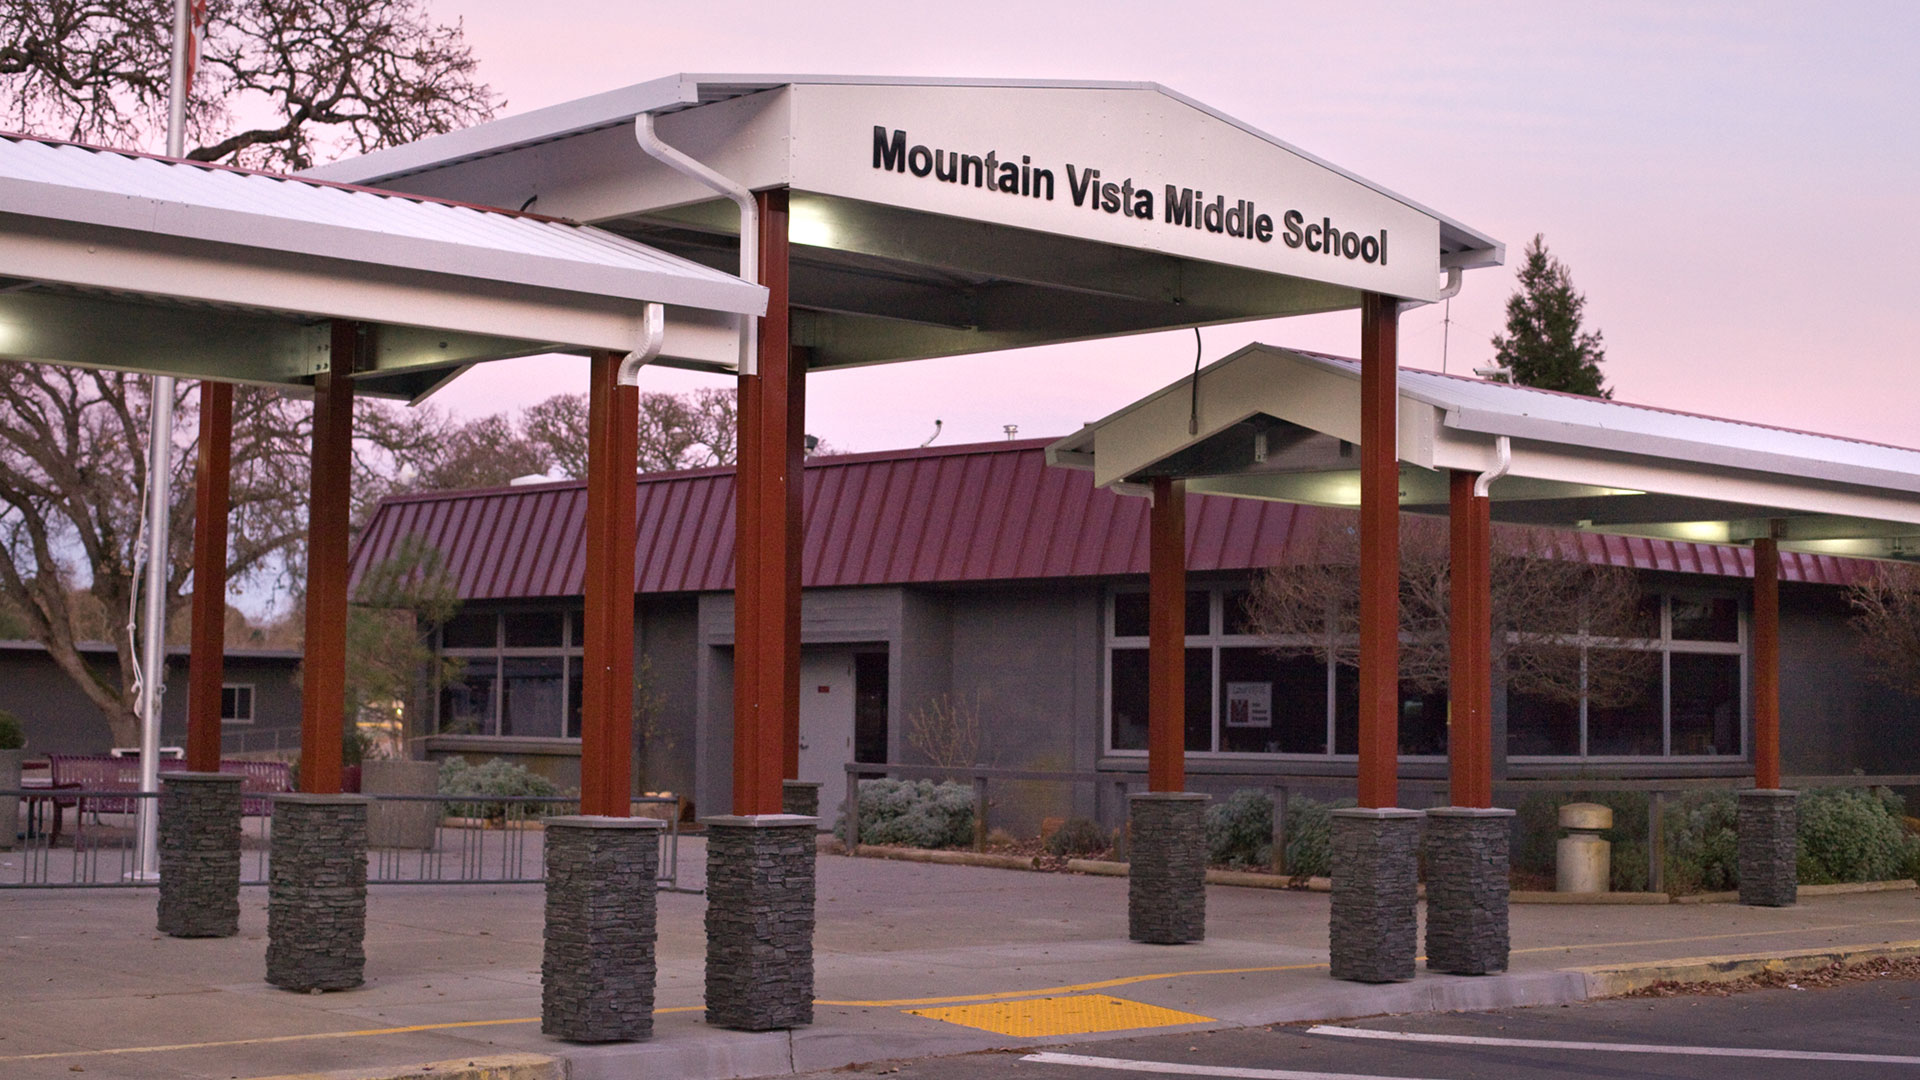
x: 153, y: 653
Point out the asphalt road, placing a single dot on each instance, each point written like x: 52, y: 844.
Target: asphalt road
x: 1772, y: 1033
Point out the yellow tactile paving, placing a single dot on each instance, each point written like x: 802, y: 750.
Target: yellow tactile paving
x: 1080, y: 1014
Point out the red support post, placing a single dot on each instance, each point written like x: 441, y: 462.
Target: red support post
x: 1379, y: 553
x: 1167, y: 637
x: 1470, y: 645
x: 1766, y: 663
x: 323, y: 693
x: 606, y: 686
x: 767, y: 535
x: 206, y: 663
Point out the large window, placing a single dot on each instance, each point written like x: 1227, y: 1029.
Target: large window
x: 1241, y: 697
x: 519, y: 674
x: 1691, y: 702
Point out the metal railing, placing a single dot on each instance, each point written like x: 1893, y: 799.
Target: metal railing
x: 455, y: 840
x: 1282, y: 787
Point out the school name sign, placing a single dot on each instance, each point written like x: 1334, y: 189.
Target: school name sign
x: 1180, y: 206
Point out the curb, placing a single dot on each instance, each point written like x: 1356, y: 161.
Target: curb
x: 1613, y: 980
x: 491, y: 1067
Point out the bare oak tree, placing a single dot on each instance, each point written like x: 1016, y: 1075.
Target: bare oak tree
x: 281, y: 84
x: 1550, y: 609
x: 1886, y: 613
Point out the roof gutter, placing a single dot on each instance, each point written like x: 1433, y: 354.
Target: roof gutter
x: 649, y: 140
x: 1455, y: 276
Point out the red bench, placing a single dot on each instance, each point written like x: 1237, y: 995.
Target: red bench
x: 114, y: 774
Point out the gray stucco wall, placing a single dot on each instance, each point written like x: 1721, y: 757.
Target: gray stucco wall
x: 1834, y: 718
x: 665, y: 640
x: 59, y: 719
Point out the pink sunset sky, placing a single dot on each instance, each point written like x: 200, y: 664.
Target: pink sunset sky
x: 1733, y: 185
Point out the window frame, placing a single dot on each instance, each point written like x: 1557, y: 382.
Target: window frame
x: 570, y: 652
x: 253, y: 703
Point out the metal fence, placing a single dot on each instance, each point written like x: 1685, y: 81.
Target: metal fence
x: 66, y: 843
x: 1110, y: 790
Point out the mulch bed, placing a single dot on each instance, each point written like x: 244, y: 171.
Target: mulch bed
x: 1832, y: 975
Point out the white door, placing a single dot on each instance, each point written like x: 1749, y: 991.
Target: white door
x: 826, y: 725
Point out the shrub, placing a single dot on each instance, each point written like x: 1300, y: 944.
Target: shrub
x: 1310, y: 836
x: 1854, y: 834
x: 497, y: 777
x: 11, y: 735
x: 913, y: 813
x: 1240, y: 829
x: 1077, y: 836
x: 1702, y: 844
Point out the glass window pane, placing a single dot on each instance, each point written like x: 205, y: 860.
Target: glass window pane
x: 1346, y: 710
x: 1706, y: 704
x: 1233, y: 613
x: 1129, y: 699
x: 1130, y: 614
x: 576, y: 628
x: 470, y: 630
x: 573, y: 697
x: 1199, y: 699
x: 1271, y: 704
x: 1632, y: 725
x: 530, y: 698
x: 1542, y: 726
x: 466, y: 701
x: 1706, y: 618
x: 1199, y: 612
x: 1423, y: 721
x: 533, y: 629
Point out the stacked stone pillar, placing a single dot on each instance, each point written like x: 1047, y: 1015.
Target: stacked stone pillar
x: 800, y: 797
x: 1467, y: 889
x: 199, y: 854
x: 1375, y: 933
x: 1167, y: 867
x: 760, y: 889
x: 317, y: 892
x: 598, y: 971
x: 1769, y: 847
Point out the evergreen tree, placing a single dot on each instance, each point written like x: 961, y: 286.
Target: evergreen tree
x: 1544, y: 345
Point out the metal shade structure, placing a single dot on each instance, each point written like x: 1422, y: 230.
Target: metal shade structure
x: 903, y: 245
x: 1281, y: 424
x: 134, y: 262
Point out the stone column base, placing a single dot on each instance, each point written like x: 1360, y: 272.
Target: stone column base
x: 317, y: 892
x: 1769, y: 847
x: 801, y: 797
x: 760, y: 887
x: 1167, y: 867
x: 199, y: 854
x: 1467, y: 887
x: 1375, y: 935
x: 597, y: 973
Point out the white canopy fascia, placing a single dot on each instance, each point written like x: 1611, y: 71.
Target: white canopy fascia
x: 1576, y: 462
x: 130, y: 262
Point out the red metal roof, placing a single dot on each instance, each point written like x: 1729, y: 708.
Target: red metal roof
x: 985, y: 512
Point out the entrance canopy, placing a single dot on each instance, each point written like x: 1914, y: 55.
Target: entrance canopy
x: 132, y: 262
x: 935, y: 217
x: 1279, y: 424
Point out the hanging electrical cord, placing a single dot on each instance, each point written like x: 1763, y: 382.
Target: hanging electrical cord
x: 1193, y: 412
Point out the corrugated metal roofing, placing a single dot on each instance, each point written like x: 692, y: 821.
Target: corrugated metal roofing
x: 200, y: 201
x: 985, y: 512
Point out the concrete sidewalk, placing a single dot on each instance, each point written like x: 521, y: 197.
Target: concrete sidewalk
x: 453, y: 973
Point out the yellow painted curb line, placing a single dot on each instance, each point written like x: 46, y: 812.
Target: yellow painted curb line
x: 1614, y: 979
x: 492, y: 1067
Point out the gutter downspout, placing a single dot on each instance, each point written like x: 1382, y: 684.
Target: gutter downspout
x: 654, y: 336
x: 1447, y: 292
x: 649, y: 140
x: 1503, y: 461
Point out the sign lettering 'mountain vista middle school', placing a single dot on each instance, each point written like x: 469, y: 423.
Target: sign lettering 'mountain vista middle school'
x: 1180, y: 207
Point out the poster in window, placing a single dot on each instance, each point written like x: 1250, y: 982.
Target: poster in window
x: 1250, y: 704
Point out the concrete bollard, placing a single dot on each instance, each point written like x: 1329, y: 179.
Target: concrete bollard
x: 1582, y: 861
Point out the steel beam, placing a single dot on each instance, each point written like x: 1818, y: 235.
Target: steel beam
x: 1470, y: 646
x: 1766, y: 663
x: 606, y: 697
x: 767, y: 535
x: 1167, y: 637
x: 213, y: 476
x: 323, y: 694
x: 1379, y: 553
